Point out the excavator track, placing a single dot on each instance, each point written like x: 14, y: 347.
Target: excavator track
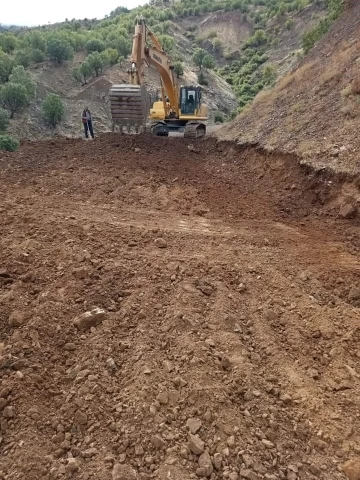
x: 129, y: 105
x: 194, y: 130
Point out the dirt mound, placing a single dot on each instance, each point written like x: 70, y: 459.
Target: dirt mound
x: 171, y: 311
x: 314, y: 111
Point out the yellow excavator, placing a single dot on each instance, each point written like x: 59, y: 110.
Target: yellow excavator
x: 179, y: 109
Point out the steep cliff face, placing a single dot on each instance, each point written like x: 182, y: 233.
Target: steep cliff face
x: 315, y: 110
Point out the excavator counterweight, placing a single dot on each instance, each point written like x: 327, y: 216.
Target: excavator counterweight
x: 179, y: 109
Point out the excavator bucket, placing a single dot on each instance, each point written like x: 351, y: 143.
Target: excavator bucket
x: 130, y: 106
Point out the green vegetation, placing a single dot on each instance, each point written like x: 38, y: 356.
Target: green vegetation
x: 310, y: 38
x: 179, y: 69
x: 53, y: 109
x: 4, y: 120
x: 8, y: 143
x: 107, y: 42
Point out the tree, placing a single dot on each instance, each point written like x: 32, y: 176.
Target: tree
x: 94, y: 45
x: 8, y: 42
x: 59, y: 50
x: 53, y: 109
x: 217, y: 44
x: 198, y: 57
x: 23, y: 57
x: 110, y: 56
x: 208, y: 62
x: 179, y: 69
x: 6, y: 65
x: 122, y: 45
x: 8, y: 143
x: 166, y: 42
x: 14, y: 97
x: 4, y: 120
x: 82, y: 73
x: 37, y: 56
x: 21, y: 76
x: 95, y: 63
x: 36, y: 40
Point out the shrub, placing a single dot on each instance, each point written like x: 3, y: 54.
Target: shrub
x: 208, y: 62
x: 14, y: 97
x: 218, y: 117
x: 23, y: 58
x: 179, y: 69
x: 59, y: 50
x: 4, y: 120
x: 202, y: 79
x: 37, y: 56
x: 6, y: 66
x: 20, y: 76
x: 95, y: 63
x: 53, y: 109
x: 198, y: 57
x: 8, y: 42
x: 8, y: 143
x: 94, y: 45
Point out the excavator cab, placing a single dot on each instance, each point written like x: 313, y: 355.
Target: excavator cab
x: 190, y: 100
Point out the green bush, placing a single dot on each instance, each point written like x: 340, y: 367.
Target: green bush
x: 4, y: 120
x: 59, y: 50
x: 53, y: 109
x: 179, y: 69
x: 202, y: 79
x: 8, y: 42
x: 37, y: 56
x: 95, y: 63
x: 14, y: 97
x: 20, y: 76
x: 94, y: 45
x: 23, y: 57
x: 218, y: 117
x: 8, y: 143
x: 6, y: 66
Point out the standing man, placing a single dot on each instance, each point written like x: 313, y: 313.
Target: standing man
x: 87, y: 121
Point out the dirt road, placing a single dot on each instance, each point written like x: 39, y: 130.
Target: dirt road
x: 225, y: 343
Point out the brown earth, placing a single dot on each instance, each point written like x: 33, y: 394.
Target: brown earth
x: 228, y: 295
x: 314, y: 111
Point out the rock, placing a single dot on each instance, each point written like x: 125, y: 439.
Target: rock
x: 248, y: 396
x: 69, y: 347
x: 158, y: 442
x: 111, y: 365
x: 248, y: 474
x: 80, y: 417
x: 160, y: 243
x: 354, y: 294
x: 352, y: 469
x: 196, y: 445
x: 234, y: 476
x: 270, y: 315
x: 9, y: 412
x: 286, y: 398
x: 89, y: 319
x: 72, y: 466
x: 17, y: 318
x: 193, y: 425
x: 205, y: 464
x: 136, y: 150
x: 231, y: 441
x: 347, y: 210
x: 217, y: 461
x: 267, y: 443
x: 163, y: 398
x: 123, y: 472
x: 90, y: 452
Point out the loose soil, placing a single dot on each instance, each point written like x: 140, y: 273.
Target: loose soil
x: 226, y: 295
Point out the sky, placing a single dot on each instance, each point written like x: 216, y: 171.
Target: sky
x: 40, y: 12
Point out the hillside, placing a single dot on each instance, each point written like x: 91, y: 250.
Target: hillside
x: 248, y: 44
x: 314, y: 111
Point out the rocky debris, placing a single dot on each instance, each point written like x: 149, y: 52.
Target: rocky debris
x: 352, y: 469
x: 354, y: 294
x: 205, y: 465
x: 248, y: 474
x: 348, y: 210
x: 204, y: 286
x: 217, y: 461
x: 89, y: 319
x: 196, y: 445
x: 158, y: 442
x: 72, y: 466
x: 160, y: 242
x: 18, y: 318
x: 123, y: 472
x: 193, y: 425
x: 80, y: 417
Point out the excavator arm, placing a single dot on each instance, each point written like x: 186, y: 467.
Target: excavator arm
x: 154, y: 55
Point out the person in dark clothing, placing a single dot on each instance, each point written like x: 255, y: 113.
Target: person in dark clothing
x: 87, y: 121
